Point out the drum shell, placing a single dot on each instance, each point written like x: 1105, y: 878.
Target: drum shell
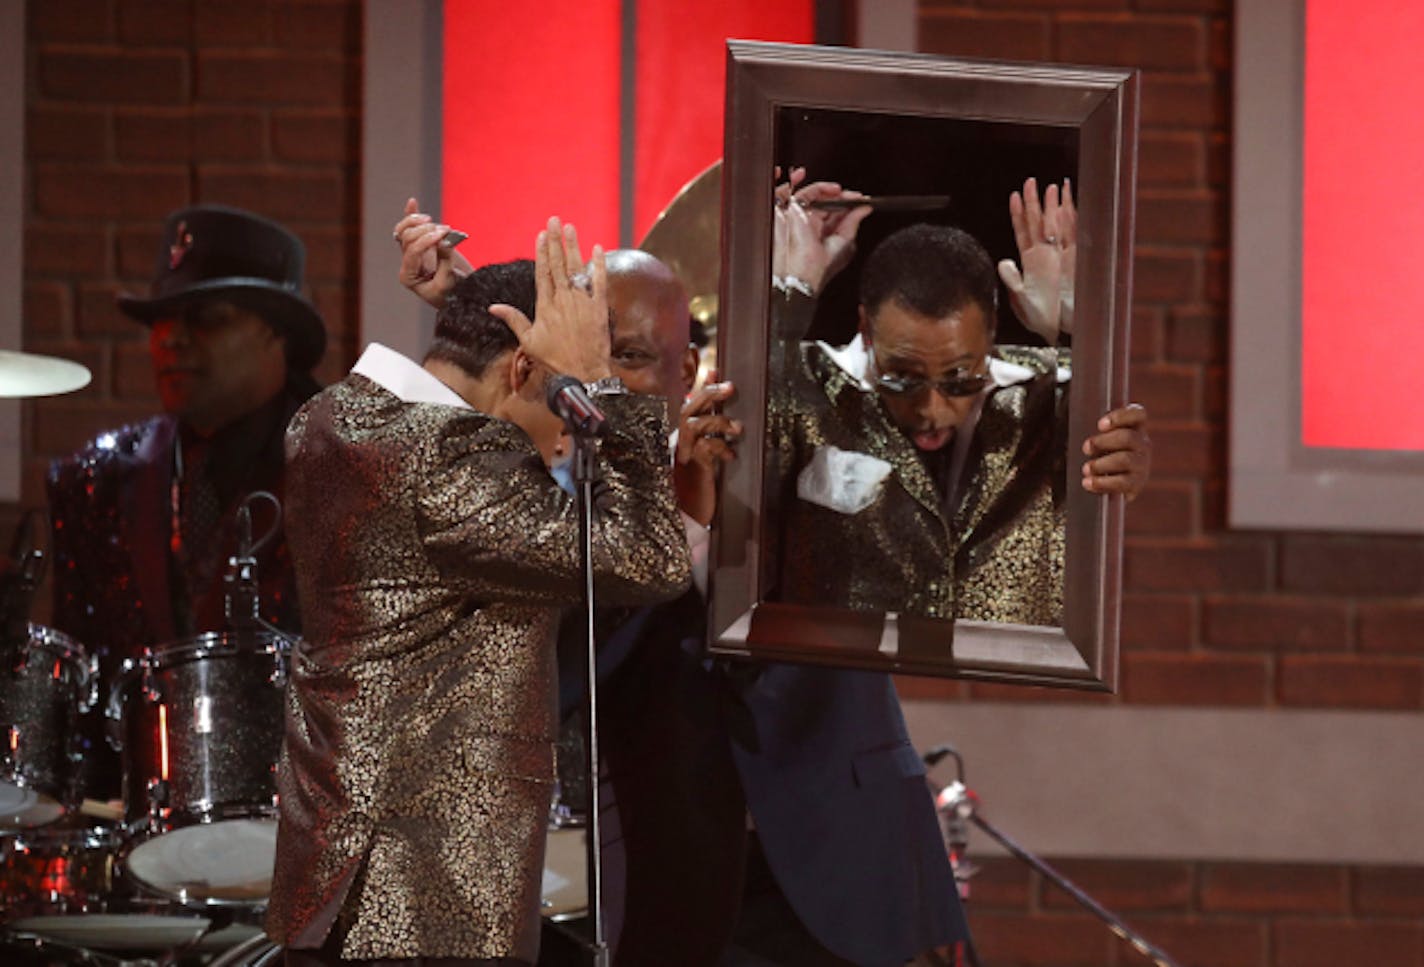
x: 57, y: 870
x: 40, y: 701
x: 201, y: 731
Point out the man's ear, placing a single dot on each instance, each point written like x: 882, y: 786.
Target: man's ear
x: 521, y: 368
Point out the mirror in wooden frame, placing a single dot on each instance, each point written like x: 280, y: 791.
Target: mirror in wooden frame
x: 846, y: 541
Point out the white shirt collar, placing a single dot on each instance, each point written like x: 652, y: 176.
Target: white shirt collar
x: 854, y: 359
x: 403, y: 377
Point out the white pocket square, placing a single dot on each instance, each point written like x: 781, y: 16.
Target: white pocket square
x: 842, y: 480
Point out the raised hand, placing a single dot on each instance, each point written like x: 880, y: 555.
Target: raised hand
x: 1046, y: 236
x: 808, y: 243
x: 1119, y: 454
x: 427, y: 268
x: 570, y: 306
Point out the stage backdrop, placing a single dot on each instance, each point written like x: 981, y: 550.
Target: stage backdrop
x: 496, y: 115
x: 597, y: 112
x: 1327, y: 361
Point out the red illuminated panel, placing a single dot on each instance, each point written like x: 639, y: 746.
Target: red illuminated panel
x: 530, y: 126
x: 1362, y: 301
x: 682, y: 58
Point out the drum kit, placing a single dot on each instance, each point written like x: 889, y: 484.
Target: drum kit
x: 180, y: 870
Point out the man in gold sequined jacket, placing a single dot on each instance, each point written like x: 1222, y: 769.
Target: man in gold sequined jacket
x: 433, y: 554
x: 921, y: 468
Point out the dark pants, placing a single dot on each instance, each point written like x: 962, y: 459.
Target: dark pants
x: 768, y: 932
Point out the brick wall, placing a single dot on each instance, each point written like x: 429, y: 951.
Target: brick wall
x: 1230, y: 915
x: 1212, y: 617
x: 136, y: 107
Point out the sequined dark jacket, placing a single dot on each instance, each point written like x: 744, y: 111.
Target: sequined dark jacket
x: 997, y: 555
x: 111, y: 509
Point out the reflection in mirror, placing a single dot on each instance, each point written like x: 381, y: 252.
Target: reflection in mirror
x: 917, y: 407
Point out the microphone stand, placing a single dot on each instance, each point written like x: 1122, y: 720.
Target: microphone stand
x: 242, y: 601
x: 960, y: 805
x: 569, y: 399
x: 585, y: 448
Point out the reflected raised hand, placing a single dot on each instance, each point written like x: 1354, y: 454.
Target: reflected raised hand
x: 1041, y: 295
x: 813, y: 244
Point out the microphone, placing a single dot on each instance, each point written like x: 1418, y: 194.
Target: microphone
x: 956, y: 804
x: 571, y: 403
x: 242, y: 600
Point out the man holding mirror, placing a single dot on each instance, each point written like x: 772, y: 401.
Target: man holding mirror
x: 937, y: 455
x: 686, y: 778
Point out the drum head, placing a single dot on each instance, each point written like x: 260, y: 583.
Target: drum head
x: 224, y: 862
x: 113, y: 931
x: 565, y: 890
x: 22, y: 808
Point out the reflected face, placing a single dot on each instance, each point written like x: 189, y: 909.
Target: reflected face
x: 917, y: 347
x: 215, y: 362
x: 649, y: 339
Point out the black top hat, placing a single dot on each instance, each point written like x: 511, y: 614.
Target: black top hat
x: 218, y: 252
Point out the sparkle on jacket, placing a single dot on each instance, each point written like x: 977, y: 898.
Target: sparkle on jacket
x: 433, y: 554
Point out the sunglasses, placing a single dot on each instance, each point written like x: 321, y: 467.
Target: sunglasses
x: 956, y: 383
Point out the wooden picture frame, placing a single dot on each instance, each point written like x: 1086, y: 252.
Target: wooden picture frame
x: 1088, y: 115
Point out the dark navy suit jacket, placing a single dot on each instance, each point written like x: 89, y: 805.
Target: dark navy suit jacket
x: 819, y: 756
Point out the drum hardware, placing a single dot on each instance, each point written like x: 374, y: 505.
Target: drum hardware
x: 258, y: 951
x: 958, y: 806
x: 20, y: 576
x: 64, y: 899
x: 199, y: 725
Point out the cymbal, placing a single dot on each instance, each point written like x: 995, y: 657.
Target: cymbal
x: 27, y: 374
x: 687, y: 236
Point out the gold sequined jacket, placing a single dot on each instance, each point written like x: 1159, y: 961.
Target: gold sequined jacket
x: 433, y: 553
x: 994, y: 553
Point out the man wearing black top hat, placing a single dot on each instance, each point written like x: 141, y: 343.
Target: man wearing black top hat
x: 144, y: 516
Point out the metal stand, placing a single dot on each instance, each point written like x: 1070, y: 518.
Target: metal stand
x: 960, y: 804
x: 585, y: 446
x: 20, y: 575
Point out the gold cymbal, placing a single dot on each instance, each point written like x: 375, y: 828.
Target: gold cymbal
x: 687, y: 236
x: 27, y: 374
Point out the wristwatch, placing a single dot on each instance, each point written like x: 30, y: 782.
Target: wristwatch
x: 607, y: 386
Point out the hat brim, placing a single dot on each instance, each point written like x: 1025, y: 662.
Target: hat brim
x: 294, y: 317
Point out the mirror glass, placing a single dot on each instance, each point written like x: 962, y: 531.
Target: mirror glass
x: 871, y: 504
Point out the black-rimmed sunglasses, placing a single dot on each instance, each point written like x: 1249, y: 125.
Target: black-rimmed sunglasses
x: 957, y: 383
